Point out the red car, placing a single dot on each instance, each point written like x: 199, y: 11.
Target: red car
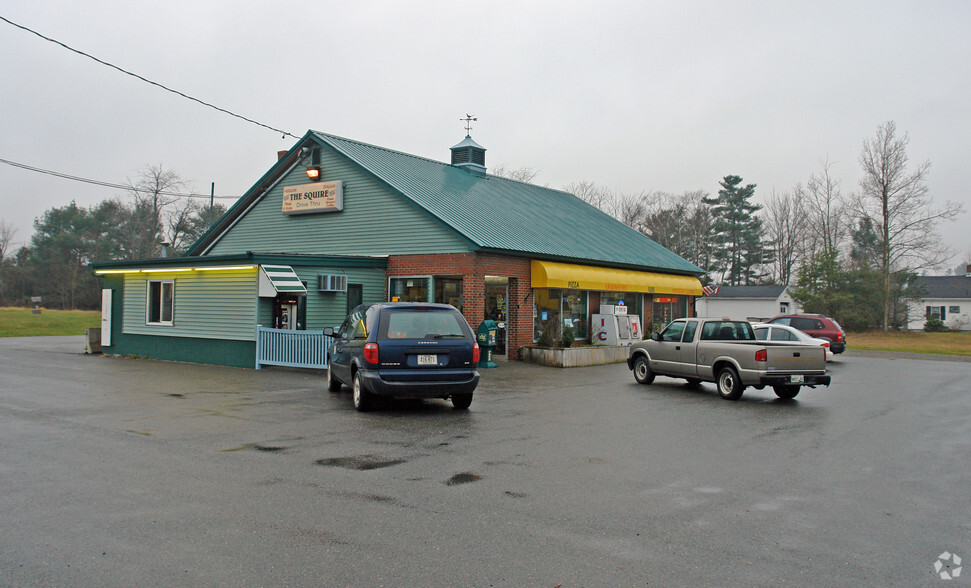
x: 816, y: 325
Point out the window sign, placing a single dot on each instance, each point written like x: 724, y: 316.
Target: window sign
x: 565, y: 308
x: 414, y: 289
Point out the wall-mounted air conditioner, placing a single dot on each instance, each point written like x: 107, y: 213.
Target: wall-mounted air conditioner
x: 331, y: 283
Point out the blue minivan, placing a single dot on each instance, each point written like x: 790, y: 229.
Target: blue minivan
x: 404, y: 350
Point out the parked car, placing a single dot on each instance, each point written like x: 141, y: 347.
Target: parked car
x: 790, y: 336
x: 404, y: 350
x: 816, y: 325
x: 726, y: 352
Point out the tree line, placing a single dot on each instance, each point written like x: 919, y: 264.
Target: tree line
x: 851, y: 256
x: 53, y: 265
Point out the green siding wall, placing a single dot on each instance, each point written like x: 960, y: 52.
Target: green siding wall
x: 208, y: 305
x: 191, y: 350
x: 328, y: 309
x: 374, y: 221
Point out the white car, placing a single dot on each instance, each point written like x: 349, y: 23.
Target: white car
x: 787, y: 334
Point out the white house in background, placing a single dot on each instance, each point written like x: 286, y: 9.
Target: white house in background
x: 747, y: 303
x: 945, y: 297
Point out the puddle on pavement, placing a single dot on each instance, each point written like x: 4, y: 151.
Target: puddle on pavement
x: 463, y: 478
x: 360, y: 462
x: 257, y: 447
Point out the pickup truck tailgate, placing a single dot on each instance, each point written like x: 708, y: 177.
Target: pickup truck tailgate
x: 796, y: 359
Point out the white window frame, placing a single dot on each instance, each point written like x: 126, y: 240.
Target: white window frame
x: 161, y: 298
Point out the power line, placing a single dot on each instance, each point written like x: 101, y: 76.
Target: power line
x: 109, y: 184
x: 146, y: 80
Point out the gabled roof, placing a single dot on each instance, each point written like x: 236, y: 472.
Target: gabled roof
x: 492, y: 213
x: 770, y: 292
x: 944, y: 286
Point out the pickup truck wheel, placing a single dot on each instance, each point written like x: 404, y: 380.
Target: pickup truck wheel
x: 362, y: 398
x: 786, y: 392
x: 642, y: 371
x: 333, y: 384
x: 729, y: 385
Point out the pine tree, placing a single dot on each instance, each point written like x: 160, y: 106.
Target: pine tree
x: 738, y: 252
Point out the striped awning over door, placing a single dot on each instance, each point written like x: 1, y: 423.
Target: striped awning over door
x: 279, y: 279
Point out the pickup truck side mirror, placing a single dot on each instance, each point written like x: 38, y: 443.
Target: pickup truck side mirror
x: 329, y: 331
x: 655, y: 336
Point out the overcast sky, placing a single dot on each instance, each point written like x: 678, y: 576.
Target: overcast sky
x: 634, y: 96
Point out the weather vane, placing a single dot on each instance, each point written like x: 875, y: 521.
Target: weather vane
x: 468, y: 123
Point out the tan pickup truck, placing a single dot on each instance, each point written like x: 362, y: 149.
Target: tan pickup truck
x: 726, y: 352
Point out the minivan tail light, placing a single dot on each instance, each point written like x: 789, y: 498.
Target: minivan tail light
x: 762, y: 355
x: 371, y: 353
x: 475, y: 352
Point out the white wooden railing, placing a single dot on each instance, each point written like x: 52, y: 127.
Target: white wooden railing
x: 305, y: 349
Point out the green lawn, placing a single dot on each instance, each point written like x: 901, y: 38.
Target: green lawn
x: 912, y: 342
x: 22, y: 322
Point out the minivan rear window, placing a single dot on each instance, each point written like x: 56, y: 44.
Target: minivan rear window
x: 422, y: 324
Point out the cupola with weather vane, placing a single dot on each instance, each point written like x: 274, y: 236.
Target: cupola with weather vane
x: 468, y: 154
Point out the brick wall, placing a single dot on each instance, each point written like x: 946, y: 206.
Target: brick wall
x: 474, y: 267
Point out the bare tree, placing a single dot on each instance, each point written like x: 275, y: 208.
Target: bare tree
x: 592, y: 194
x: 154, y: 214
x: 7, y: 233
x: 524, y: 174
x: 681, y: 223
x: 630, y: 209
x: 784, y: 226
x: 826, y: 210
x: 897, y: 203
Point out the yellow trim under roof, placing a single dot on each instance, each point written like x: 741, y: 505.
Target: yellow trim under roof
x: 551, y: 274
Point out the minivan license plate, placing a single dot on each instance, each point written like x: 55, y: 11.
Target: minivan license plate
x: 427, y: 360
x: 796, y: 379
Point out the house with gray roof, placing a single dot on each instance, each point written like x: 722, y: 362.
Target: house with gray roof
x: 747, y: 303
x: 336, y: 222
x: 947, y: 298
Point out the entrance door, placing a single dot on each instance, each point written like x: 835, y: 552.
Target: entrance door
x: 355, y: 296
x: 496, y: 309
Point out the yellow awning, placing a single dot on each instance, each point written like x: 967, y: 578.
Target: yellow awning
x: 551, y: 274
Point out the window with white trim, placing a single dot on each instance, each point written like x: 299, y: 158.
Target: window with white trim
x: 161, y: 302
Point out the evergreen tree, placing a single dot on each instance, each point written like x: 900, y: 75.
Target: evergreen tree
x: 738, y: 251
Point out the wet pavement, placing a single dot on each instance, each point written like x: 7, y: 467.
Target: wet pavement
x: 122, y: 472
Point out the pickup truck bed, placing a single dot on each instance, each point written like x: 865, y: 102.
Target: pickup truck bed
x: 726, y: 353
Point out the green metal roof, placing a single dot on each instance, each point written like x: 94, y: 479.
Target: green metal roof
x: 506, y: 215
x: 492, y: 213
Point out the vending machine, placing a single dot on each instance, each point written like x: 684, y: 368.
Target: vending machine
x: 613, y: 326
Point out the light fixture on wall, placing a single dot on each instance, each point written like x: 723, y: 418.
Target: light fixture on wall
x: 313, y: 172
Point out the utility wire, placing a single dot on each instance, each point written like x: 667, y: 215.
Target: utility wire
x: 109, y: 184
x: 148, y: 81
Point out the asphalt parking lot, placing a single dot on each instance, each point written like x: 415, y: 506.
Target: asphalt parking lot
x: 120, y: 472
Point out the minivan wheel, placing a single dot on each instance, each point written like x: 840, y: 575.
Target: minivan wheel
x: 729, y: 385
x: 461, y: 401
x: 362, y: 398
x: 333, y: 384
